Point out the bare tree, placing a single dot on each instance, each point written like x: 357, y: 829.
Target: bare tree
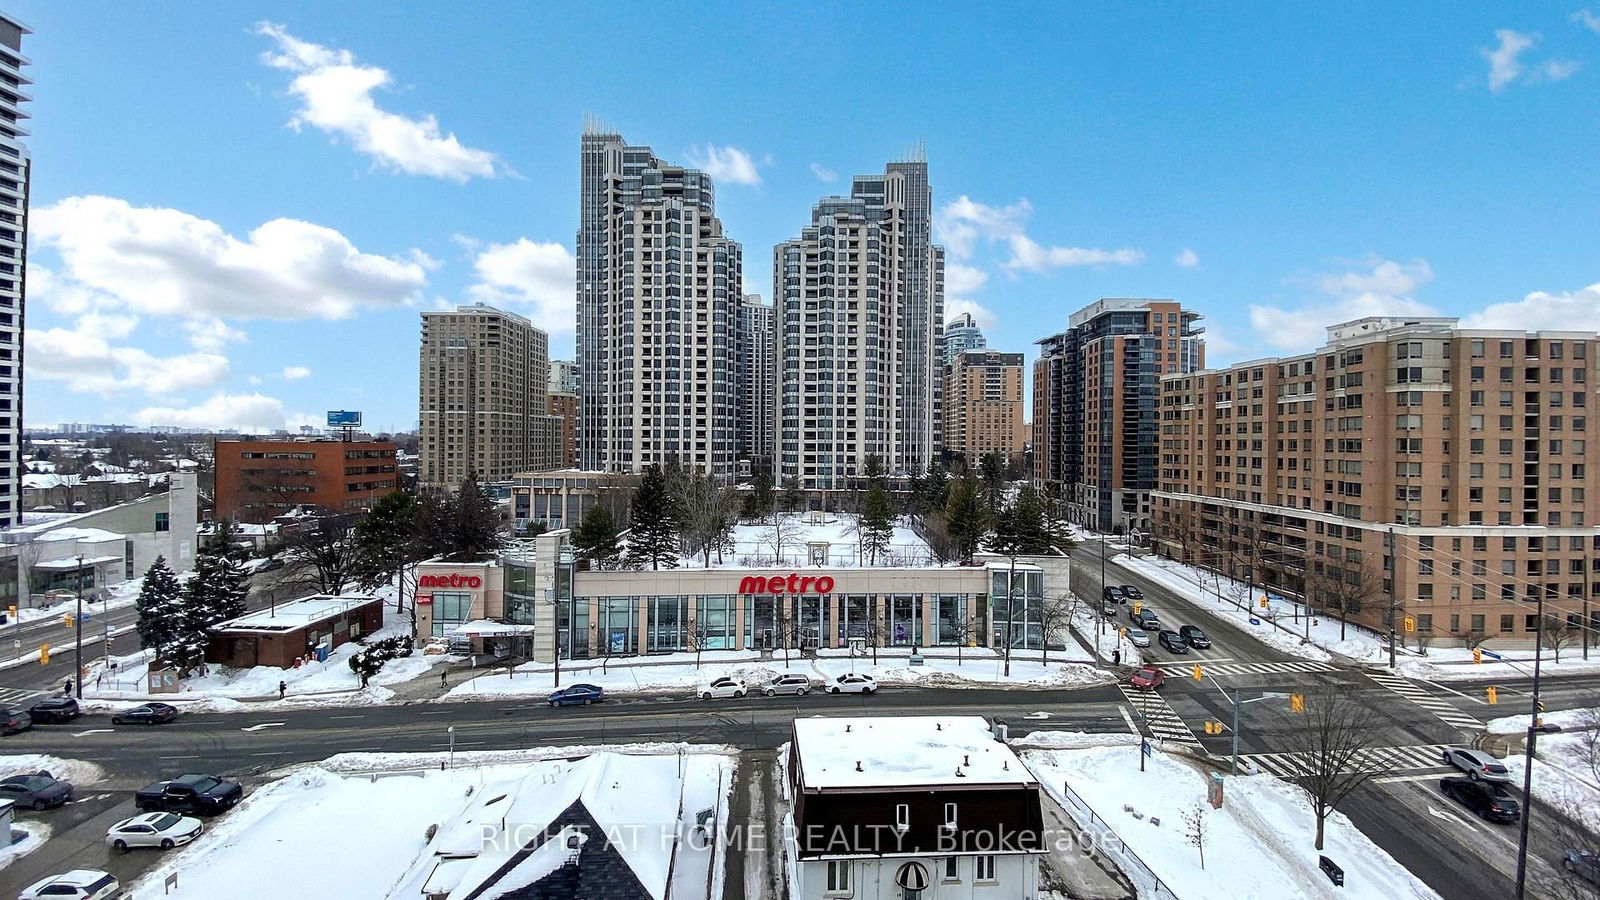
x: 323, y: 552
x: 1194, y: 822
x: 1329, y: 743
x: 785, y: 531
x: 696, y: 633
x: 1589, y: 738
x: 962, y: 631
x: 1472, y: 640
x: 1055, y: 616
x: 1564, y: 879
x: 1558, y: 634
x: 1345, y: 591
x: 709, y: 512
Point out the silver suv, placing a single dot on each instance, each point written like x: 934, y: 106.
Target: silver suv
x: 799, y: 685
x: 1478, y: 765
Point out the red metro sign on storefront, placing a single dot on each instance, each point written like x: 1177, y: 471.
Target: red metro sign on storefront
x: 793, y: 583
x: 449, y: 581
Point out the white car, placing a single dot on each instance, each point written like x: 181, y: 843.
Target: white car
x: 1478, y: 765
x: 1138, y: 637
x: 79, y: 884
x: 719, y: 688
x: 852, y: 683
x: 159, y: 829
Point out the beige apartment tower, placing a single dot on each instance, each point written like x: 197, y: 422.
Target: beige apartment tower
x: 983, y: 405
x: 482, y: 382
x: 1408, y: 468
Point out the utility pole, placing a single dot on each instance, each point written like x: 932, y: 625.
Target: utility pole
x: 1393, y: 601
x: 1011, y: 609
x: 77, y: 622
x: 1527, y: 763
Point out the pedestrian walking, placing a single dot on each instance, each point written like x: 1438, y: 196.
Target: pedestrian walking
x: 66, y: 687
x: 283, y: 689
x: 1116, y: 657
x: 443, y: 674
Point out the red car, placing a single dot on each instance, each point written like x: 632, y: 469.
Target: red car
x: 1148, y: 678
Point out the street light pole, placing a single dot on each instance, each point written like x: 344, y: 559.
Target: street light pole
x: 452, y: 732
x: 1394, y: 570
x: 77, y: 622
x: 1527, y: 762
x: 1011, y: 610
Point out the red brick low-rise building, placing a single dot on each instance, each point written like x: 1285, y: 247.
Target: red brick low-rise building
x: 259, y: 480
x: 289, y: 631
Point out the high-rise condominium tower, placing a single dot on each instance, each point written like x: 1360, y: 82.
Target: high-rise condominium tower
x: 961, y: 334
x: 1096, y: 395
x: 860, y: 306
x: 658, y: 298
x: 14, y: 171
x: 756, y: 372
x: 483, y: 379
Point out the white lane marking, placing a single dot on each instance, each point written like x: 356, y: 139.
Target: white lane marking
x: 1453, y: 819
x: 177, y: 757
x: 1037, y: 716
x: 264, y: 725
x: 437, y: 712
x: 1457, y: 693
x: 272, y: 753
x: 1394, y: 779
x: 347, y: 717
x: 1129, y: 719
x: 95, y: 731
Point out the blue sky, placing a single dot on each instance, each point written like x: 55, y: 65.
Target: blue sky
x: 240, y: 209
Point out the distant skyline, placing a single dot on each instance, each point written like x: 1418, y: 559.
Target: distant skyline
x: 239, y: 211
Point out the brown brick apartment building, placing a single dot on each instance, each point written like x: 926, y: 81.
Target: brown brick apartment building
x: 1445, y: 469
x: 1096, y: 400
x: 564, y: 406
x: 257, y: 480
x: 983, y: 405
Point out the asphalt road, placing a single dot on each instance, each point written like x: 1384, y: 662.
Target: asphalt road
x: 1459, y: 856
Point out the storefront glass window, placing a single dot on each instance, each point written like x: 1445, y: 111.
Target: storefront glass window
x: 667, y: 618
x: 714, y: 622
x: 905, y: 621
x: 450, y: 608
x: 618, y: 626
x: 572, y: 628
x: 952, y: 619
x: 859, y: 612
x: 809, y: 618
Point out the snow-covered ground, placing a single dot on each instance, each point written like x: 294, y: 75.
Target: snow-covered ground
x: 33, y: 835
x: 1566, y: 718
x: 361, y: 836
x: 1455, y: 663
x: 117, y: 595
x: 1561, y: 777
x: 978, y: 666
x: 1103, y: 635
x: 1258, y: 845
x: 757, y: 545
x: 78, y: 772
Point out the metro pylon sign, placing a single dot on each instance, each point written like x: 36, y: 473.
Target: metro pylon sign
x: 792, y: 583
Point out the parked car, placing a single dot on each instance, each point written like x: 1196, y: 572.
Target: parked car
x: 79, y: 884
x: 1478, y: 765
x: 1138, y: 638
x: 852, y: 683
x: 163, y: 829
x: 1132, y: 593
x: 799, y: 685
x: 53, y: 710
x: 199, y: 794
x: 270, y: 564
x: 1582, y: 863
x: 15, y: 719
x: 40, y: 790
x: 1112, y: 593
x: 577, y: 695
x: 147, y: 714
x: 719, y: 688
x: 1194, y: 637
x: 1171, y: 642
x: 1490, y: 801
x: 1108, y: 607
x: 1146, y: 619
x: 1147, y: 678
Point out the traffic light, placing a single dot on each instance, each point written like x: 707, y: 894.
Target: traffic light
x: 1297, y: 703
x: 1494, y: 694
x: 1411, y: 624
x: 1539, y: 704
x: 44, y: 654
x: 1199, y: 673
x: 1213, y: 727
x: 1263, y: 602
x: 67, y: 619
x: 1137, y: 607
x: 1122, y: 632
x: 1477, y: 656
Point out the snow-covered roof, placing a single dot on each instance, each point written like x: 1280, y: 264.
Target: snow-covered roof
x: 68, y: 533
x: 71, y: 562
x: 294, y: 614
x: 491, y: 628
x: 901, y: 751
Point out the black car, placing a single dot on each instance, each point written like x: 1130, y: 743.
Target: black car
x: 1132, y: 593
x: 147, y: 714
x: 1172, y: 642
x: 1113, y: 593
x: 54, y: 710
x: 1582, y: 863
x: 1489, y: 800
x: 14, y: 719
x: 1194, y: 637
x: 40, y: 790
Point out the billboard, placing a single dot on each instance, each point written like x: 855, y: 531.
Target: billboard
x: 344, y: 418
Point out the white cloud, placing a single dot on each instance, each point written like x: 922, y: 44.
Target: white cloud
x: 960, y: 224
x: 539, y: 277
x: 212, y: 335
x: 1220, y: 350
x: 1377, y: 287
x: 727, y: 165
x: 84, y: 358
x: 335, y: 94
x: 1588, y: 19
x: 1187, y: 259
x: 1572, y: 311
x: 960, y: 280
x: 1504, y: 66
x: 1557, y: 69
x: 253, y: 412
x: 295, y: 373
x: 824, y: 173
x: 1029, y: 256
x: 980, y: 313
x: 163, y: 262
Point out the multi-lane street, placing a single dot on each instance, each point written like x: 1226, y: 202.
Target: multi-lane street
x: 1401, y: 809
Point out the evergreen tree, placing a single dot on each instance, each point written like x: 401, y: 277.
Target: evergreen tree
x: 993, y: 469
x: 386, y: 539
x: 935, y: 487
x: 595, y: 538
x: 159, y: 606
x: 475, y: 522
x: 1028, y: 522
x: 964, y: 516
x: 793, y: 494
x: 224, y: 539
x: 759, y: 501
x: 876, y: 522
x: 653, y: 536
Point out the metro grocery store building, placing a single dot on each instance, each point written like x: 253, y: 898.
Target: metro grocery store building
x: 535, y: 600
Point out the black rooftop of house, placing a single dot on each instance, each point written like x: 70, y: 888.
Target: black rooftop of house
x: 598, y: 873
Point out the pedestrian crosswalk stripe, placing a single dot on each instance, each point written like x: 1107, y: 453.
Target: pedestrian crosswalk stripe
x: 1441, y: 709
x: 1275, y: 668
x: 16, y: 695
x: 1296, y: 764
x: 1159, y: 718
